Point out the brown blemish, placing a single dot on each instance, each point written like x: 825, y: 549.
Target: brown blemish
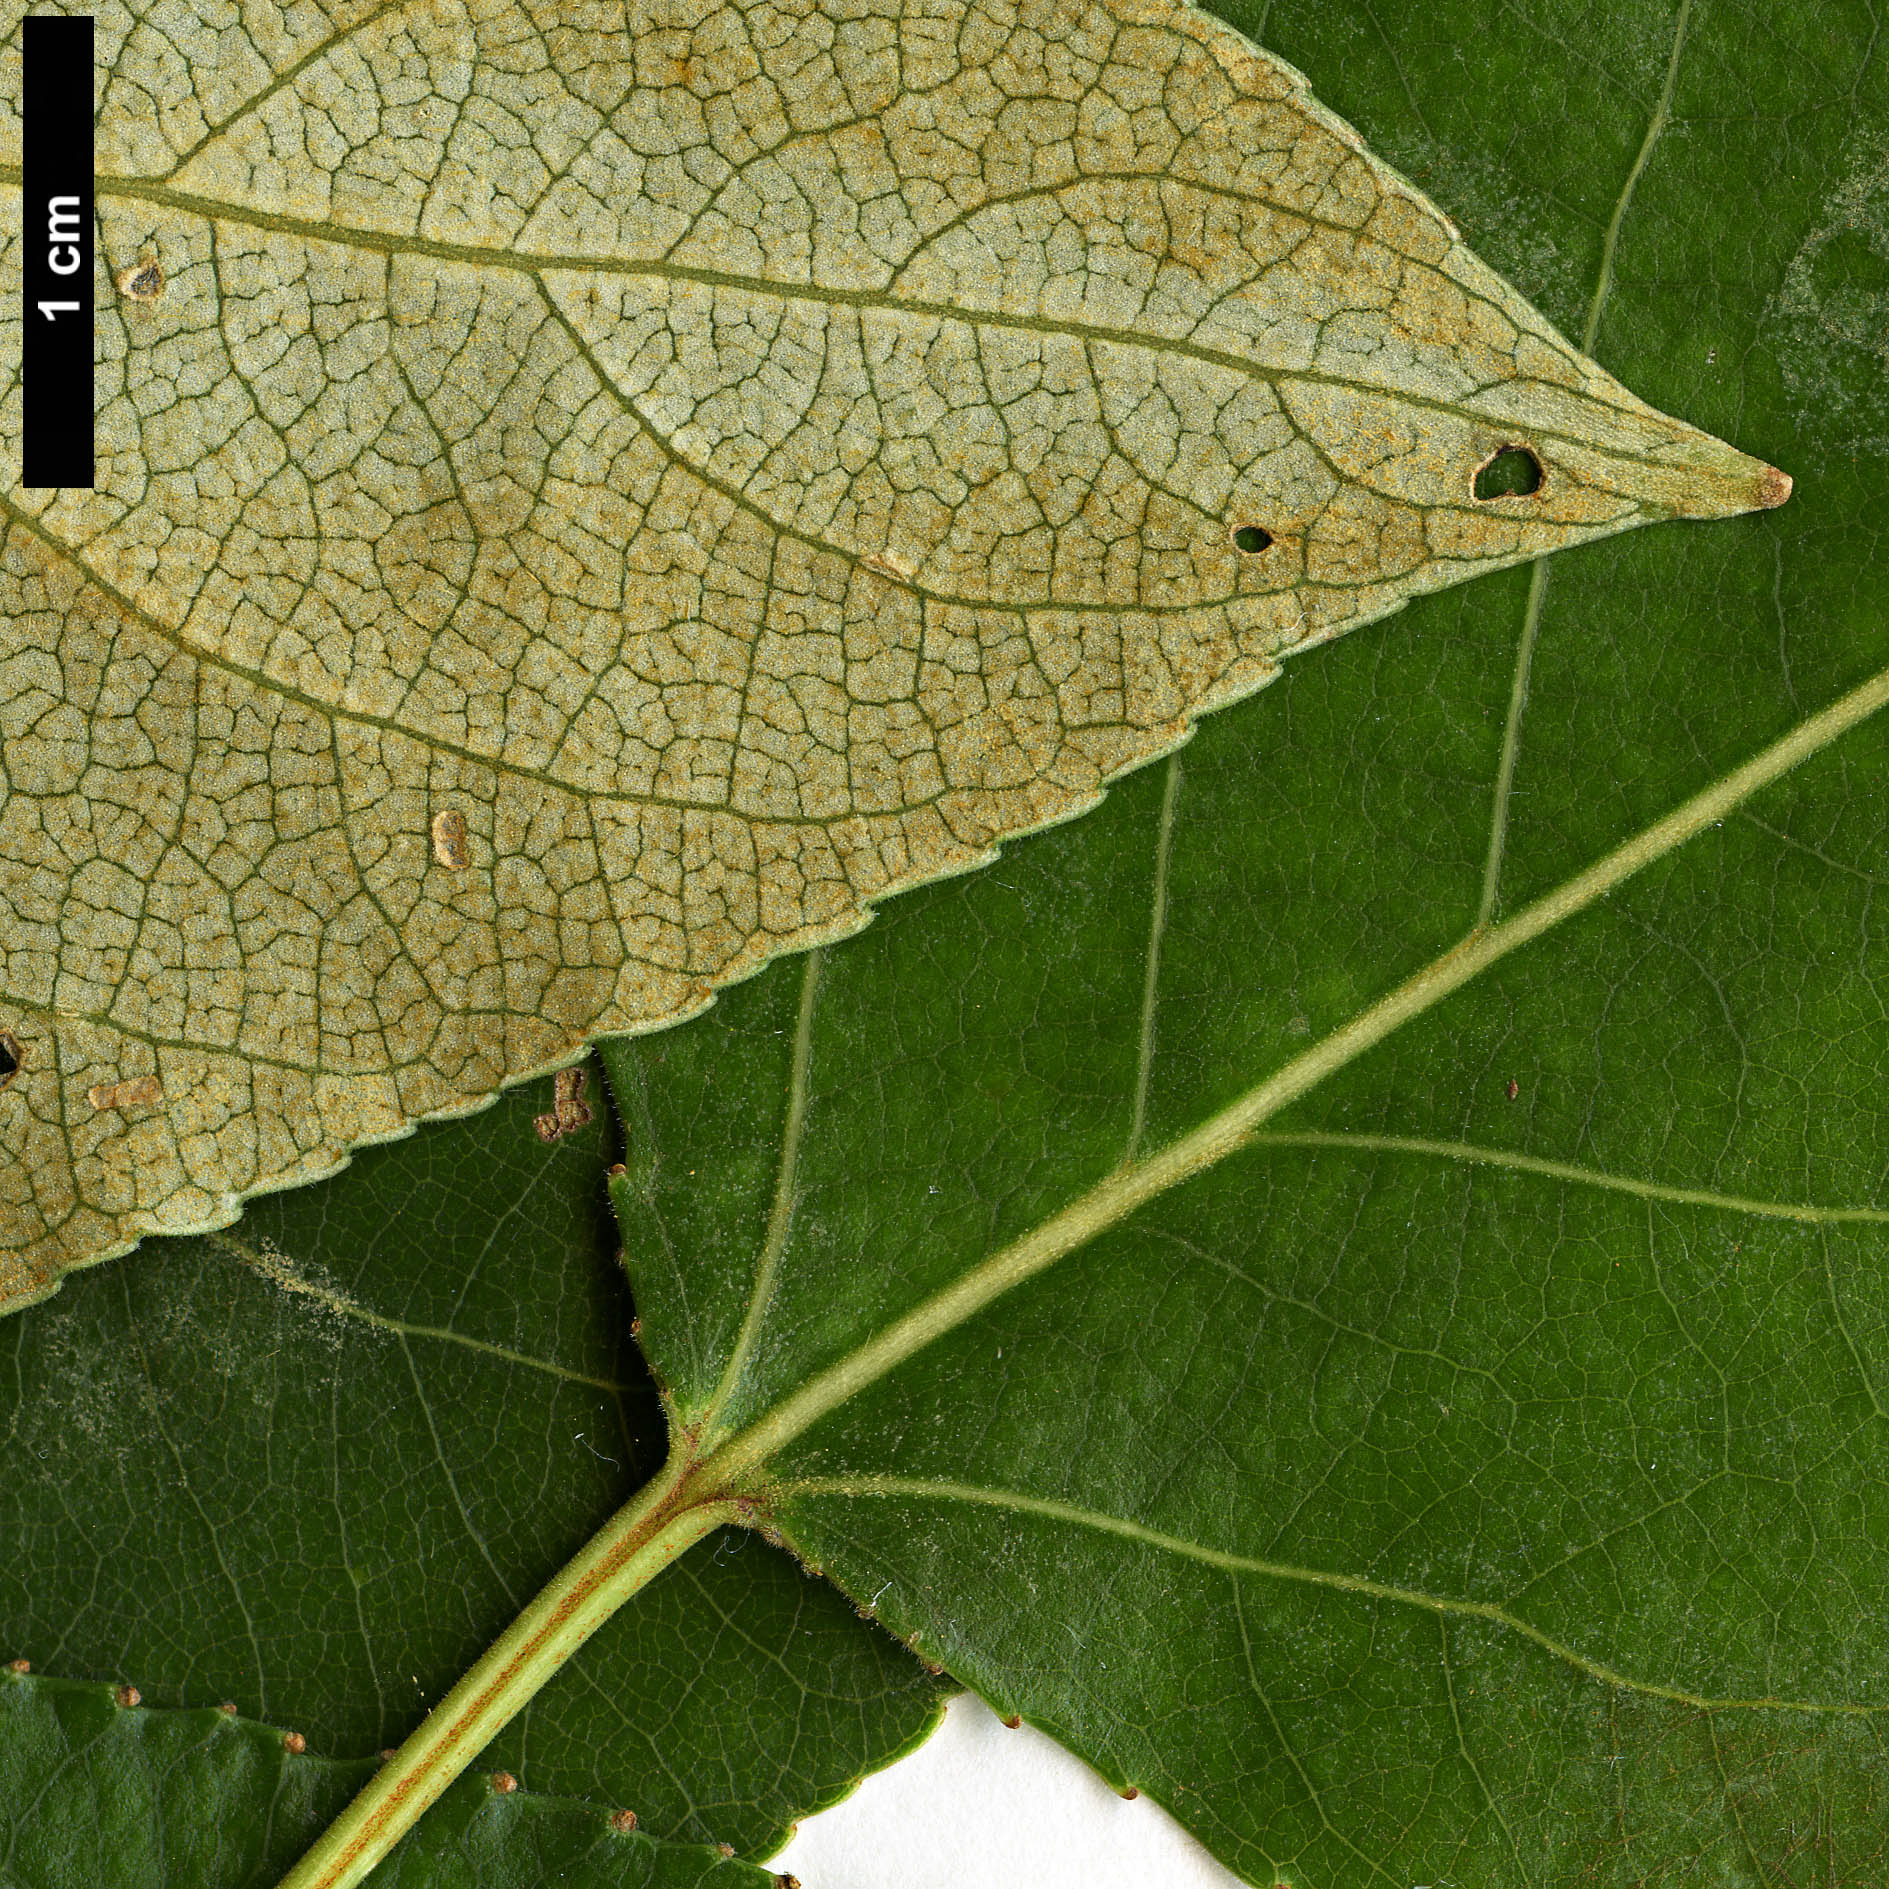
x: 569, y: 1110
x: 294, y: 1744
x: 785, y: 1881
x: 21, y: 1666
x: 725, y: 1849
x: 1774, y: 487
x: 130, y: 1094
x: 228, y: 1708
x: 1128, y: 1793
x: 128, y: 1696
x: 623, y: 1822
x: 143, y: 281
x: 503, y: 1783
x: 1014, y: 1722
x: 449, y: 839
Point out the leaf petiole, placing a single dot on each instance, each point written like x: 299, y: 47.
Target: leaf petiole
x: 656, y: 1525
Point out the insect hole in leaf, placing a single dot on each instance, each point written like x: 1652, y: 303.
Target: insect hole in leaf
x: 1514, y: 472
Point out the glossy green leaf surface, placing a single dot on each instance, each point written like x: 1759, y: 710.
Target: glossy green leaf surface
x: 1476, y: 1474
x: 310, y: 1466
x: 95, y: 1792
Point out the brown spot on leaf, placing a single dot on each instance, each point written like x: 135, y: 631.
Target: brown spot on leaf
x: 128, y: 1696
x: 568, y: 1110
x: 143, y: 281
x: 294, y: 1744
x: 1514, y: 1089
x: 623, y: 1822
x: 19, y: 1665
x: 129, y: 1094
x: 449, y: 839
x: 503, y: 1783
x: 1014, y: 1721
x: 1774, y: 487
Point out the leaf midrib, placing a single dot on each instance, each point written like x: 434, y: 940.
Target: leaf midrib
x: 540, y: 263
x: 741, y: 1461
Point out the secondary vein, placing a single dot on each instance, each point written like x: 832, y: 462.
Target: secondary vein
x: 1582, y: 1176
x: 280, y: 1271
x: 780, y: 1218
x: 1018, y: 1503
x: 1662, y: 113
x: 1538, y: 576
x: 1151, y: 976
x: 1113, y: 1199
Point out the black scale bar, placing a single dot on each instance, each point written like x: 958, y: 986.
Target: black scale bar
x: 56, y: 337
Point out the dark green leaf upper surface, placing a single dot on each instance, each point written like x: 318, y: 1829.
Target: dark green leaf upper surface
x: 313, y: 1465
x: 1480, y: 1476
x: 96, y: 1793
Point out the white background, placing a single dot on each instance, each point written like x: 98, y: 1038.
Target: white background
x: 979, y: 1806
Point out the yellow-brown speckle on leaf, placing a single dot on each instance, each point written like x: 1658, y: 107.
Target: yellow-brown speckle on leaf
x: 685, y: 524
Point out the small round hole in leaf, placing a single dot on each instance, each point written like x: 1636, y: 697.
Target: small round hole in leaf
x: 1252, y: 538
x: 1514, y: 472
x: 9, y: 1057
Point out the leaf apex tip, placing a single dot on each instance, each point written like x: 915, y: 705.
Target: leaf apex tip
x: 1774, y: 487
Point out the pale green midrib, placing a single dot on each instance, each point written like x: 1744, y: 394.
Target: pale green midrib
x: 780, y: 1218
x: 280, y: 1272
x: 1151, y: 969
x: 1491, y: 1611
x: 1123, y: 1192
x: 1656, y: 125
x: 1471, y: 1154
x: 538, y: 264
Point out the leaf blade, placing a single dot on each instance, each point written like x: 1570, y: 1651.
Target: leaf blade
x: 920, y: 624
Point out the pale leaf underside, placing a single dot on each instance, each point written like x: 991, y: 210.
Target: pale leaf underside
x: 581, y: 513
